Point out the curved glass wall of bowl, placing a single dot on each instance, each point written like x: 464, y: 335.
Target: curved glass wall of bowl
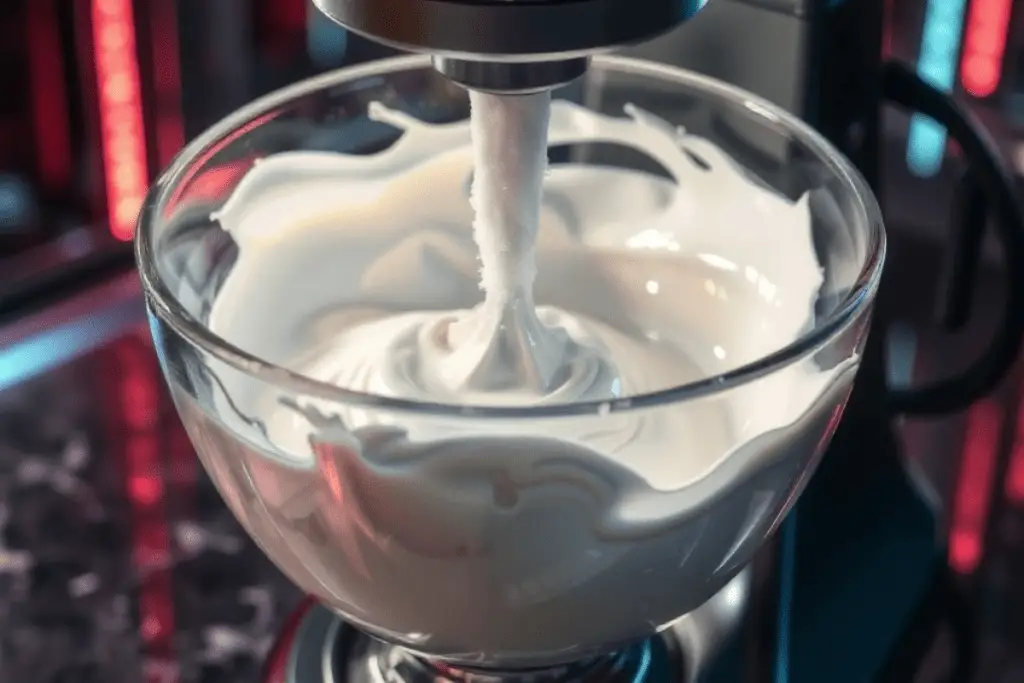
x: 705, y: 268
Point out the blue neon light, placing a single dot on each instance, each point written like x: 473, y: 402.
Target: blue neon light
x: 787, y: 586
x: 936, y: 64
x: 30, y: 357
x: 326, y: 41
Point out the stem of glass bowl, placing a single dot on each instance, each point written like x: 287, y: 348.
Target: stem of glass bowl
x: 380, y: 662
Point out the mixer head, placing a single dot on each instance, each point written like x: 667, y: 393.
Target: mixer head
x: 510, y: 46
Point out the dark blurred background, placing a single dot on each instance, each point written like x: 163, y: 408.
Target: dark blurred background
x: 154, y: 581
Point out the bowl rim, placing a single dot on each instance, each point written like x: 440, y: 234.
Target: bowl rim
x: 167, y: 308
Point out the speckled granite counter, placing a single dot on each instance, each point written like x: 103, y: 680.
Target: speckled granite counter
x: 118, y: 561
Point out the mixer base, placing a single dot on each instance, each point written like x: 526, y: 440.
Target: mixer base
x: 317, y: 646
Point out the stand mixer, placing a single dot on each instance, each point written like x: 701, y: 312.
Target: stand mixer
x: 515, y: 47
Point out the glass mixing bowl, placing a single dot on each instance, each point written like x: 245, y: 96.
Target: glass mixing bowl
x: 570, y: 552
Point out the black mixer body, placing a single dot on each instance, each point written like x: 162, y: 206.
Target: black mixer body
x: 509, y: 45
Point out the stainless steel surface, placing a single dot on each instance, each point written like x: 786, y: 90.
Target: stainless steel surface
x: 511, y: 77
x: 749, y: 45
x: 322, y: 643
x: 474, y: 41
x: 703, y: 632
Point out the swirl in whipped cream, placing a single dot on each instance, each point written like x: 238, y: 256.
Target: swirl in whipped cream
x: 465, y: 357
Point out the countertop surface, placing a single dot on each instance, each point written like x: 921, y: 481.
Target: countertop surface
x: 118, y: 561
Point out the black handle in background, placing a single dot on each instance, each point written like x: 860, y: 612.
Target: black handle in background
x: 970, y: 222
x: 989, y: 171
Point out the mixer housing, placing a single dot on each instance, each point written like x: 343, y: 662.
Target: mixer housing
x: 509, y: 46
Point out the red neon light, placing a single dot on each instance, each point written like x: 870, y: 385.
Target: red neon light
x: 282, y: 21
x: 48, y: 95
x: 182, y: 468
x: 988, y: 24
x: 144, y: 474
x: 140, y: 397
x: 974, y: 487
x: 198, y: 168
x: 289, y: 15
x: 1013, y: 487
x: 170, y: 128
x: 217, y: 183
x: 120, y: 102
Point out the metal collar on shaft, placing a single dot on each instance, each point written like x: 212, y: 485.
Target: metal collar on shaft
x: 511, y: 77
